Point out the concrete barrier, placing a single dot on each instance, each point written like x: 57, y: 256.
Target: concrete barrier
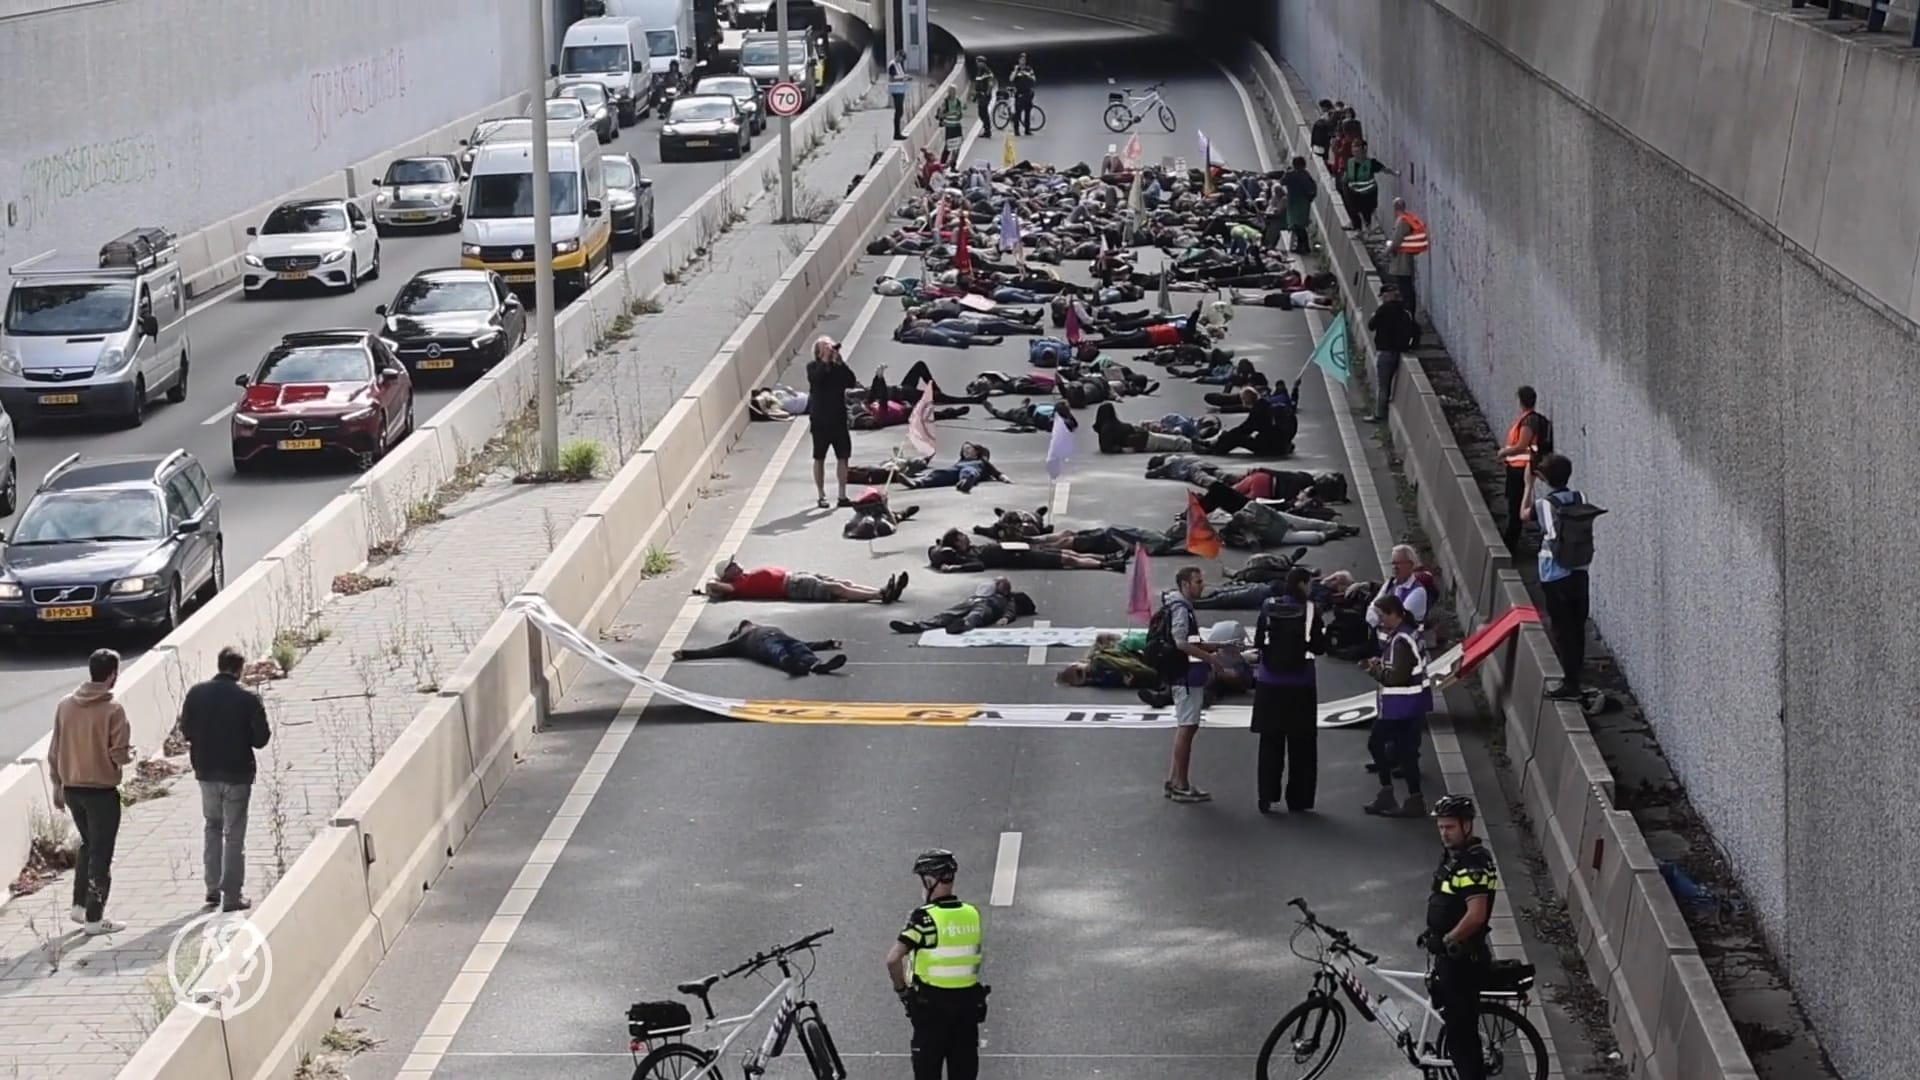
x: 1664, y: 1010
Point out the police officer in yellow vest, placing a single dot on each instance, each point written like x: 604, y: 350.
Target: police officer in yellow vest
x: 935, y: 968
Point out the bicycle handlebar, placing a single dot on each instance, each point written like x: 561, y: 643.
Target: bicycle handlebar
x: 762, y: 959
x: 1340, y: 939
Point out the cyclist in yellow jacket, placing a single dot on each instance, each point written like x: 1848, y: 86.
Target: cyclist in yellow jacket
x: 935, y: 969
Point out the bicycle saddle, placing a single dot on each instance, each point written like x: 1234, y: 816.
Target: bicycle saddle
x: 699, y: 988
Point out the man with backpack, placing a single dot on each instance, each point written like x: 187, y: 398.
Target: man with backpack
x: 1566, y: 550
x: 1177, y: 653
x: 1286, y: 699
x: 1529, y: 441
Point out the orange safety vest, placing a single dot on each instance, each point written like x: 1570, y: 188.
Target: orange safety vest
x: 1523, y: 458
x: 1416, y: 239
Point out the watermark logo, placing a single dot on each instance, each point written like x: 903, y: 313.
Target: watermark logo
x: 222, y: 946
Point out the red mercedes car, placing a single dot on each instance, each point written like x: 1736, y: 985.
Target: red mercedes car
x: 323, y: 393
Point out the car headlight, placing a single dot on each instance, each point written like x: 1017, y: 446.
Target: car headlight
x: 112, y: 361
x: 621, y: 199
x: 445, y: 198
x: 382, y: 199
x: 357, y: 415
x: 9, y: 591
x: 669, y: 129
x: 251, y: 259
x: 335, y: 256
x: 566, y: 247
x: 134, y: 586
x: 243, y: 422
x: 730, y: 126
x: 470, y: 250
x: 9, y: 362
x: 488, y: 338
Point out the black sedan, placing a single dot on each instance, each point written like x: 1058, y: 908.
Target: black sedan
x: 705, y: 124
x: 455, y: 323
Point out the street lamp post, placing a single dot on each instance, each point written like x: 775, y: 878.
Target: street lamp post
x: 547, y: 398
x: 786, y: 122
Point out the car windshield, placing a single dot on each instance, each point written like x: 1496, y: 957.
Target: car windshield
x: 739, y: 88
x: 429, y: 296
x: 420, y: 171
x: 593, y: 59
x: 320, y: 364
x: 510, y: 195
x: 305, y: 219
x: 661, y: 43
x: 619, y: 172
x: 701, y: 109
x: 767, y: 54
x: 590, y: 93
x: 58, y: 517
x: 566, y: 109
x: 78, y: 307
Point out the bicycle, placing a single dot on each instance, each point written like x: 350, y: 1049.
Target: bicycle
x: 1125, y: 108
x: 660, y: 1028
x: 1313, y: 1030
x: 1002, y: 111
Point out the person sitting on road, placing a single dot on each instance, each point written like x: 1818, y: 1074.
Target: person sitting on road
x: 974, y: 464
x: 1267, y: 431
x: 956, y: 553
x: 731, y: 581
x: 772, y: 647
x: 995, y: 604
x: 912, y: 331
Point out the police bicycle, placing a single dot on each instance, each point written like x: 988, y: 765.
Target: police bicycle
x: 1003, y: 107
x: 1125, y: 108
x: 659, y: 1028
x: 1306, y: 1040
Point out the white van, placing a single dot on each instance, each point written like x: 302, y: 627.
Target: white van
x: 669, y: 29
x: 612, y: 52
x: 99, y: 338
x: 498, y: 232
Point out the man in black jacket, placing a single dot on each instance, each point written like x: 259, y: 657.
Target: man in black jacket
x: 773, y: 647
x: 224, y: 723
x: 1394, y: 332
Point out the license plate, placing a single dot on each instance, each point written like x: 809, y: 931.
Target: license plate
x: 74, y: 613
x: 292, y: 275
x: 413, y: 217
x: 59, y: 399
x: 299, y: 444
x: 699, y: 142
x: 518, y: 279
x: 434, y: 365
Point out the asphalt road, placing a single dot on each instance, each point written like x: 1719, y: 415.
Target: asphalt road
x: 1142, y: 940
x: 229, y: 337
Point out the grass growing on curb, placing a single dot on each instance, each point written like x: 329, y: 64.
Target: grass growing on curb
x: 581, y: 459
x: 658, y: 561
x: 52, y: 849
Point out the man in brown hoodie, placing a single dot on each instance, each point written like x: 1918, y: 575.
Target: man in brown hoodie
x: 92, y: 743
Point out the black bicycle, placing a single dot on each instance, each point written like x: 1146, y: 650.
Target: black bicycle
x: 1309, y: 1036
x: 660, y: 1028
x: 1003, y: 108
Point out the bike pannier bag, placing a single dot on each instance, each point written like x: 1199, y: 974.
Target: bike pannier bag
x: 649, y: 1020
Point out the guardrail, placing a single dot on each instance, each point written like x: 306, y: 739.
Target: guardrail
x: 288, y: 585
x: 344, y: 901
x: 1663, y: 1007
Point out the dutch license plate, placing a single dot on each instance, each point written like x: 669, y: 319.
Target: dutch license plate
x: 71, y: 613
x: 59, y: 399
x: 434, y: 365
x: 292, y: 275
x: 413, y: 217
x: 299, y: 444
x: 699, y: 142
x: 518, y: 279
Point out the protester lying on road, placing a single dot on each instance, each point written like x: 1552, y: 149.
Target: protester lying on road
x: 995, y: 604
x: 1231, y: 376
x: 773, y: 647
x: 952, y: 315
x: 874, y: 517
x: 777, y: 403
x: 1285, y: 299
x: 1116, y: 662
x: 1119, y: 437
x: 1029, y: 416
x: 974, y: 465
x: 992, y: 383
x: 956, y: 553
x: 731, y: 581
x: 1016, y: 524
x: 871, y: 415
x: 910, y: 389
x: 912, y: 331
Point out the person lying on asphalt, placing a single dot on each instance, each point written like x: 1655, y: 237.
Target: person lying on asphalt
x: 951, y: 308
x: 874, y: 516
x: 909, y: 390
x: 773, y: 647
x: 957, y: 553
x: 1033, y: 528
x: 1116, y: 436
x: 912, y: 331
x: 995, y: 604
x: 731, y: 581
x: 1285, y: 299
x: 995, y: 383
x: 777, y: 403
x: 1228, y: 376
x: 1115, y: 662
x: 871, y: 415
x: 974, y: 464
x: 1029, y: 416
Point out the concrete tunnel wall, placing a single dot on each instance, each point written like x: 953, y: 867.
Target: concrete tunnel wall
x: 1724, y: 354
x: 184, y: 112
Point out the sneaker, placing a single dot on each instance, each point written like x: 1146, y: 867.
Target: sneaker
x: 104, y: 926
x: 825, y: 667
x: 1384, y: 803
x: 844, y: 502
x: 78, y: 914
x: 901, y: 626
x: 1563, y: 691
x: 1190, y: 794
x: 822, y: 503
x: 238, y: 903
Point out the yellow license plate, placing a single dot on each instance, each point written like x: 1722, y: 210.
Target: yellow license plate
x: 518, y: 279
x: 73, y: 613
x: 292, y: 275
x: 413, y: 217
x: 299, y: 444
x: 59, y: 399
x: 699, y: 142
x: 434, y: 365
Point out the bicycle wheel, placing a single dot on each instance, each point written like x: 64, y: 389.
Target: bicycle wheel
x: 674, y: 1061
x: 822, y: 1057
x: 1036, y: 119
x: 1002, y: 115
x: 1118, y: 117
x: 1512, y: 1048
x: 1311, y: 1035
x: 1166, y: 117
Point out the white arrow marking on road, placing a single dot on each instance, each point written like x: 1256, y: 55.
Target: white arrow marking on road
x: 1005, y: 869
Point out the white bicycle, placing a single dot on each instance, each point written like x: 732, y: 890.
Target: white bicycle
x: 1310, y: 1035
x: 1126, y: 108
x: 659, y: 1028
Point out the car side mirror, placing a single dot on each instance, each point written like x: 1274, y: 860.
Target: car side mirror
x: 513, y: 300
x: 389, y: 374
x: 645, y: 182
x: 241, y: 380
x: 253, y: 230
x: 593, y: 207
x: 639, y: 67
x: 189, y: 526
x: 375, y: 181
x: 379, y: 309
x: 553, y: 71
x: 150, y: 326
x: 686, y: 53
x: 359, y: 226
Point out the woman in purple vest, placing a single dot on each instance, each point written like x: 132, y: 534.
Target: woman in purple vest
x: 1286, y: 699
x: 1405, y: 700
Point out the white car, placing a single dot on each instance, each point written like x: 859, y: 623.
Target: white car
x: 418, y: 192
x: 329, y: 241
x: 9, y: 468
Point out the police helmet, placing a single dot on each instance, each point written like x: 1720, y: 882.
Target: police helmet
x: 1459, y: 807
x: 937, y: 863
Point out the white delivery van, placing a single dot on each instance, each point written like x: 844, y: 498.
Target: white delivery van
x: 669, y: 29
x: 612, y: 52
x: 498, y: 232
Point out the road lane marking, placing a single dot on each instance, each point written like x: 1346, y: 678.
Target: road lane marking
x: 217, y: 417
x: 1006, y: 868
x: 1059, y: 506
x: 1037, y: 654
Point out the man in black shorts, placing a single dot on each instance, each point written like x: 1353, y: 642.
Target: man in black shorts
x: 828, y: 380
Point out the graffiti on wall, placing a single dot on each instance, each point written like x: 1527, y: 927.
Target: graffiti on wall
x: 73, y: 172
x: 354, y: 89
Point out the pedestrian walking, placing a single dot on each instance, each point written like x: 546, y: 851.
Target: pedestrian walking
x: 1286, y: 709
x: 92, y: 742
x: 1395, y: 332
x: 1409, y: 240
x: 934, y: 966
x: 897, y: 83
x: 224, y: 723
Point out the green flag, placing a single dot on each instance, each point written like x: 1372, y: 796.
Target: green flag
x: 1332, y: 353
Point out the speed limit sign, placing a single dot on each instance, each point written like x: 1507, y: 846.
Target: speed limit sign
x: 784, y: 99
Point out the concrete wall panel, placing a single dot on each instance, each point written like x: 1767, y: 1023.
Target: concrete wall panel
x: 1870, y: 221
x: 1816, y: 115
x: 1672, y: 71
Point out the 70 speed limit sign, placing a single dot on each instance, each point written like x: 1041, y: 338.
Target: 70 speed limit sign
x: 784, y: 99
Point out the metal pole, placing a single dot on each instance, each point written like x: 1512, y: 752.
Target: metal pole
x: 786, y: 122
x: 547, y: 398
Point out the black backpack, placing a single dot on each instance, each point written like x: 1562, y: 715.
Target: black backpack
x: 1282, y: 635
x: 1542, y: 435
x: 1162, y: 652
x: 1572, y: 543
